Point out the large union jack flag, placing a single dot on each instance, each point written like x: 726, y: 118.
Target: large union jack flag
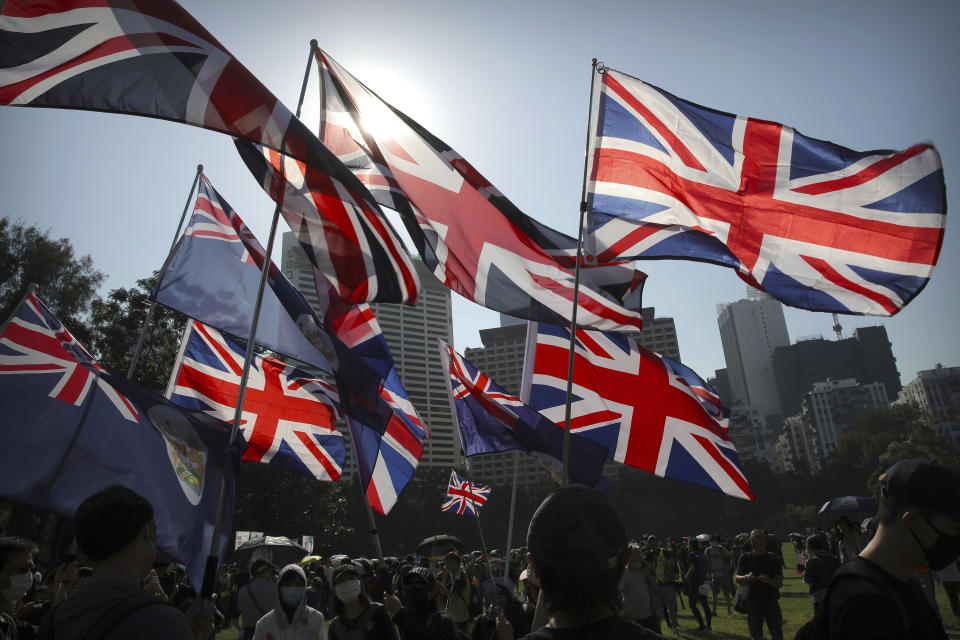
x: 34, y: 343
x: 469, y: 235
x: 650, y: 412
x: 288, y: 414
x: 464, y: 497
x: 816, y: 225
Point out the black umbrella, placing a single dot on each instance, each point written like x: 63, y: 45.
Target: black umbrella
x: 279, y: 550
x: 437, y: 545
x: 849, y: 504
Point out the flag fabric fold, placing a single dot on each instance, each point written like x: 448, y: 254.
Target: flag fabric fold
x: 288, y: 414
x: 72, y: 428
x: 647, y: 410
x: 816, y: 225
x: 464, y: 497
x: 490, y: 420
x: 469, y: 235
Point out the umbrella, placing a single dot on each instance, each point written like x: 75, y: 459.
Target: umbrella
x: 309, y: 559
x: 849, y: 504
x: 279, y: 550
x: 436, y: 545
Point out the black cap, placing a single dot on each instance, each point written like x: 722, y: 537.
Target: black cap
x: 577, y: 528
x: 923, y: 483
x: 345, y: 568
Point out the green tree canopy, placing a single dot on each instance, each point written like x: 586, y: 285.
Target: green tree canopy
x: 65, y: 283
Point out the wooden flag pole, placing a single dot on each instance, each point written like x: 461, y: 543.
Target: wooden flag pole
x: 153, y: 304
x: 210, y: 571
x: 564, y: 478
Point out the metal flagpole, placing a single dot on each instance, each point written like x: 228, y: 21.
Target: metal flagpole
x: 513, y: 507
x: 153, y: 305
x: 366, y: 501
x: 210, y: 571
x: 564, y: 478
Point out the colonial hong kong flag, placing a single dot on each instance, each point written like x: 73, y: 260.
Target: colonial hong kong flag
x: 71, y: 428
x: 490, y: 420
x: 464, y: 497
x: 288, y: 414
x: 636, y: 403
x: 151, y: 58
x: 814, y: 224
x: 469, y: 235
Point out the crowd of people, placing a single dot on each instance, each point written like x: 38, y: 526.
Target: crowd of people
x: 580, y: 576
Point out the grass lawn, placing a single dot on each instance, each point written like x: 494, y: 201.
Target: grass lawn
x: 794, y: 602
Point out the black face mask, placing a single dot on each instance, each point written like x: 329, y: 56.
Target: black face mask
x: 943, y: 551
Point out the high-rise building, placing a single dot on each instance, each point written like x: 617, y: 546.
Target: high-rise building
x: 750, y: 330
x: 866, y: 357
x: 937, y: 391
x: 830, y: 406
x: 659, y: 334
x: 412, y: 334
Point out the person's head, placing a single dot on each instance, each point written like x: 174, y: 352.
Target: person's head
x: 817, y: 544
x: 920, y: 510
x: 758, y: 541
x: 416, y: 590
x: 262, y: 569
x: 347, y: 587
x: 16, y: 570
x: 452, y: 561
x: 578, y: 549
x: 291, y: 587
x: 115, y: 521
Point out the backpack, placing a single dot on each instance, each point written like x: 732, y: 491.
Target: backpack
x: 819, y: 627
x: 359, y: 630
x: 106, y: 622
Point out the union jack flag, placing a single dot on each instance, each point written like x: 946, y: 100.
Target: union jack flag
x: 635, y: 402
x: 287, y: 417
x: 473, y: 239
x: 34, y: 343
x: 464, y: 497
x: 490, y: 420
x: 814, y: 224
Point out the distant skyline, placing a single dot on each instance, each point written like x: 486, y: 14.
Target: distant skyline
x: 506, y: 84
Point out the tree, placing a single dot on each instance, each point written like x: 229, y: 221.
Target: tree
x: 115, y: 327
x: 65, y: 283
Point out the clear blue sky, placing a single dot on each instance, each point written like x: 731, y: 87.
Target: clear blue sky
x: 506, y: 84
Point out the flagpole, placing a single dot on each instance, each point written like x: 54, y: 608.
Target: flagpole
x: 366, y: 500
x: 153, y: 304
x: 210, y: 571
x: 513, y: 506
x: 564, y: 478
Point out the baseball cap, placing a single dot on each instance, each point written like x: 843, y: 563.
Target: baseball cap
x: 577, y: 528
x: 923, y: 483
x: 347, y: 567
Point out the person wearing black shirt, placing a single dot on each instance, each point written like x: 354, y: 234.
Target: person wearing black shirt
x: 919, y: 526
x: 763, y: 572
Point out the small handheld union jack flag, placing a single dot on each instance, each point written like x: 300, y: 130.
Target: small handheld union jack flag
x: 464, y: 497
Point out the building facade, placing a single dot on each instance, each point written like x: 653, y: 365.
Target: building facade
x: 831, y: 405
x: 937, y: 391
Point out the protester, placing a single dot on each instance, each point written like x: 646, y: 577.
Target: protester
x: 257, y: 597
x: 763, y: 571
x: 115, y: 529
x: 455, y: 586
x: 667, y: 572
x: 819, y: 568
x: 356, y: 617
x: 410, y: 614
x: 637, y: 587
x: 16, y: 578
x: 851, y: 540
x: 719, y: 559
x: 578, y: 549
x: 291, y: 618
x: 697, y: 580
x: 919, y: 525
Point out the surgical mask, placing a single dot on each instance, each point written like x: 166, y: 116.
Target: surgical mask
x: 942, y: 552
x: 19, y: 584
x: 348, y: 590
x: 291, y: 596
